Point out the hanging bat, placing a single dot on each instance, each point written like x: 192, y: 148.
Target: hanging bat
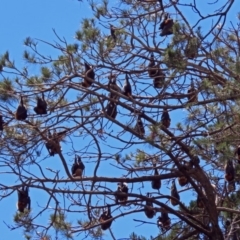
x: 152, y: 67
x: 164, y: 222
x: 53, y: 145
x: 182, y: 181
x: 41, y: 107
x: 174, y: 194
x: 111, y: 109
x: 148, y: 208
x: 113, y: 33
x: 106, y: 215
x: 165, y: 119
x: 77, y: 167
x: 1, y: 122
x: 158, y: 81
x: 156, y: 184
x: 21, y: 113
x: 89, y: 73
x: 127, y: 89
x: 192, y: 94
x: 23, y: 199
x: 166, y: 26
x: 139, y: 127
x: 121, y: 193
x: 112, y: 85
x: 229, y: 171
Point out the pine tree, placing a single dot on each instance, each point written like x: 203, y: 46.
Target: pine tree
x: 143, y: 98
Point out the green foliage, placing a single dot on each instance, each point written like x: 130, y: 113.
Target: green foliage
x: 61, y: 225
x: 30, y: 58
x: 88, y: 33
x: 46, y: 73
x: 173, y: 58
x: 141, y: 156
x: 33, y: 81
x: 134, y: 236
x: 24, y: 220
x: 6, y: 90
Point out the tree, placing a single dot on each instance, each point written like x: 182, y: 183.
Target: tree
x: 132, y: 129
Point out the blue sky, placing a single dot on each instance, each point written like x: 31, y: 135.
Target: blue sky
x: 18, y: 20
x: 37, y: 18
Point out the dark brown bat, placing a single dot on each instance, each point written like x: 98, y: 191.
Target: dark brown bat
x: 23, y: 199
x: 193, y: 96
x: 113, y: 33
x: 1, y: 122
x: 139, y: 127
x: 182, y: 181
x: 111, y: 109
x: 106, y: 215
x: 174, y: 193
x: 159, y: 79
x: 127, y: 89
x: 52, y: 144
x: 166, y: 26
x: 89, y: 73
x: 21, y: 113
x: 229, y: 171
x: 41, y: 107
x: 121, y: 193
x: 152, y: 67
x: 164, y: 222
x: 165, y: 119
x: 112, y: 85
x: 77, y: 167
x: 156, y: 184
x: 148, y: 208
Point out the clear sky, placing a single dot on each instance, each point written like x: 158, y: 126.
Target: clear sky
x: 18, y: 20
x: 36, y: 18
